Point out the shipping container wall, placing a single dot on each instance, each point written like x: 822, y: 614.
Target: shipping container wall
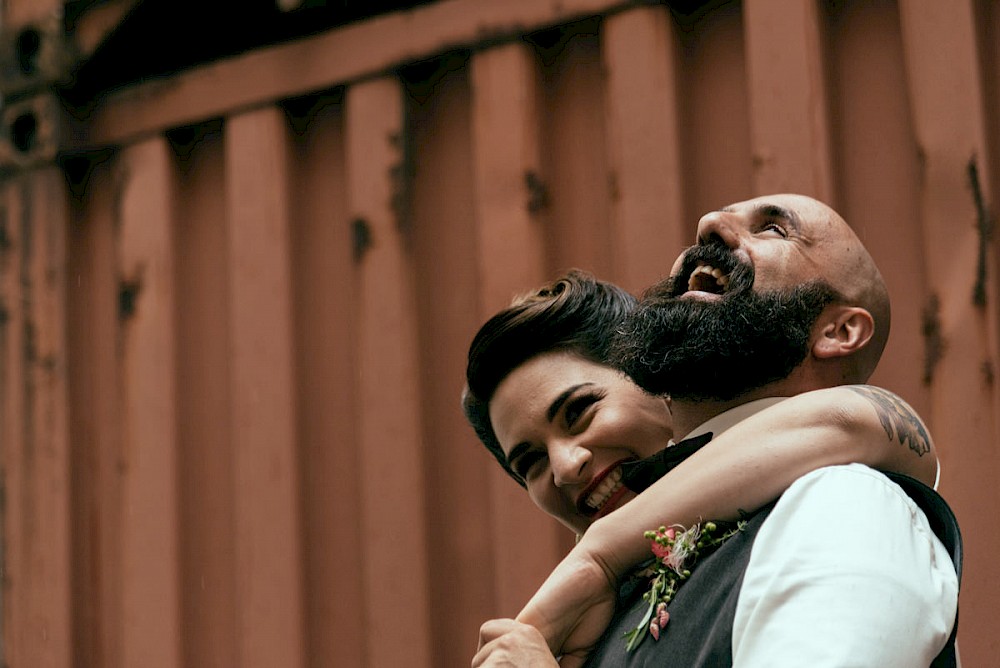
x: 237, y: 299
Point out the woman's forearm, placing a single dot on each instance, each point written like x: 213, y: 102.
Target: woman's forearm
x: 752, y: 463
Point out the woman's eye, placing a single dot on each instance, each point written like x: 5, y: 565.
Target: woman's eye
x: 578, y: 406
x: 523, y: 464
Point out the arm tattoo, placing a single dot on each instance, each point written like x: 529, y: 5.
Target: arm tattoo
x: 897, y: 418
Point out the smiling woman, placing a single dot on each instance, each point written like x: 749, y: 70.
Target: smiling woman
x: 575, y: 313
x: 567, y: 424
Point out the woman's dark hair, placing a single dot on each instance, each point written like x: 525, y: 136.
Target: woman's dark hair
x: 575, y: 313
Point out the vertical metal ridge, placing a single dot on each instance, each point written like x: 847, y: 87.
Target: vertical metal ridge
x: 510, y: 255
x: 265, y: 441
x: 945, y: 96
x: 390, y: 436
x: 641, y: 57
x: 150, y: 540
x: 204, y: 398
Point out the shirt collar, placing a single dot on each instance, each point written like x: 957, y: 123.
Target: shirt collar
x: 727, y: 419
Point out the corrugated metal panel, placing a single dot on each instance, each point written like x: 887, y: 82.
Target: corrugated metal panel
x: 38, y: 520
x: 236, y: 312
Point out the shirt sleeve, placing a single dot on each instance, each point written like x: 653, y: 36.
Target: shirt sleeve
x: 845, y: 572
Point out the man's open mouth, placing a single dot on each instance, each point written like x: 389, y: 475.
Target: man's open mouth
x: 707, y: 278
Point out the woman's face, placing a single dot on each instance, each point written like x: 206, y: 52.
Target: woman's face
x: 567, y: 424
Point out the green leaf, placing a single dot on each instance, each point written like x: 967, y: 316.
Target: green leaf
x: 637, y: 634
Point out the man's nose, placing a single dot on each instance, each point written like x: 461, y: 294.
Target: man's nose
x: 569, y: 463
x: 720, y: 227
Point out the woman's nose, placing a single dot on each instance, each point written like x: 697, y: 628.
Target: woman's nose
x: 569, y: 463
x: 720, y: 227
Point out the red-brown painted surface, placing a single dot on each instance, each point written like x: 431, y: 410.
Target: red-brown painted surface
x: 236, y: 309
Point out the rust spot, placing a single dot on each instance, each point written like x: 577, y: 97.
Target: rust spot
x: 984, y: 228
x: 934, y: 343
x: 77, y: 169
x: 5, y: 240
x: 401, y: 175
x: 613, y: 190
x: 128, y: 297
x: 24, y: 132
x: 30, y: 342
x: 27, y: 47
x: 538, y: 194
x: 361, y: 237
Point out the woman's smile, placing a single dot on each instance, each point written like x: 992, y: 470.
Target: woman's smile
x: 566, y: 425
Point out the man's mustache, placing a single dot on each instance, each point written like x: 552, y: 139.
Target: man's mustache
x: 715, y: 254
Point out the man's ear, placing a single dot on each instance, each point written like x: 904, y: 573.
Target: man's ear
x: 842, y: 331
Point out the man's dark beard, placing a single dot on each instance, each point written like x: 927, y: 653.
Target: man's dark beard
x: 717, y: 350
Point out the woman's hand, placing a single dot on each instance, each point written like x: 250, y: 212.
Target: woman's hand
x: 574, y: 605
x: 505, y: 642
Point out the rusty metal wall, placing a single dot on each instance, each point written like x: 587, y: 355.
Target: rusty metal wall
x: 236, y: 301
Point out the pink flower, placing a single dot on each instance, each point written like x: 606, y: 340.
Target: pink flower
x: 662, y: 616
x: 661, y: 551
x: 677, y: 551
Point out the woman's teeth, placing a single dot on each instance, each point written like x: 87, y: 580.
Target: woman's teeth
x: 611, y: 484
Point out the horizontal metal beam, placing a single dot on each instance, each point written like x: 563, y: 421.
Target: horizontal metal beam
x: 354, y: 52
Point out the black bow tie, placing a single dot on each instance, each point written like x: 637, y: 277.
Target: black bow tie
x: 639, y: 475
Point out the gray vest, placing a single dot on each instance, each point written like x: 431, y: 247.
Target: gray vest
x: 700, y: 630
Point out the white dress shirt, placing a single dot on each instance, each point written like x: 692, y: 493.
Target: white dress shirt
x: 844, y: 572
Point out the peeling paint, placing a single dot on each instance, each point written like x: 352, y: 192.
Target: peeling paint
x: 934, y: 343
x: 5, y: 240
x: 984, y: 228
x: 361, y: 237
x: 538, y: 193
x: 401, y: 178
x: 128, y: 297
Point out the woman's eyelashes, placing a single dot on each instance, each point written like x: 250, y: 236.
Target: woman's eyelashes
x: 578, y: 405
x: 573, y: 412
x: 523, y: 464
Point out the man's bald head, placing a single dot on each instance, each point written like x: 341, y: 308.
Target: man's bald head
x: 818, y: 245
x: 852, y: 272
x: 779, y: 295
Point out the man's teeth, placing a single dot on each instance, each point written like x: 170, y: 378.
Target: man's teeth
x: 608, y: 486
x: 696, y: 281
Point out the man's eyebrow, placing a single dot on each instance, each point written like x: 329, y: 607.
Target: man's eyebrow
x: 561, y: 399
x: 775, y: 211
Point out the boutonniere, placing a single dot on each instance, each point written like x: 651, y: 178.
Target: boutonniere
x: 676, y: 550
